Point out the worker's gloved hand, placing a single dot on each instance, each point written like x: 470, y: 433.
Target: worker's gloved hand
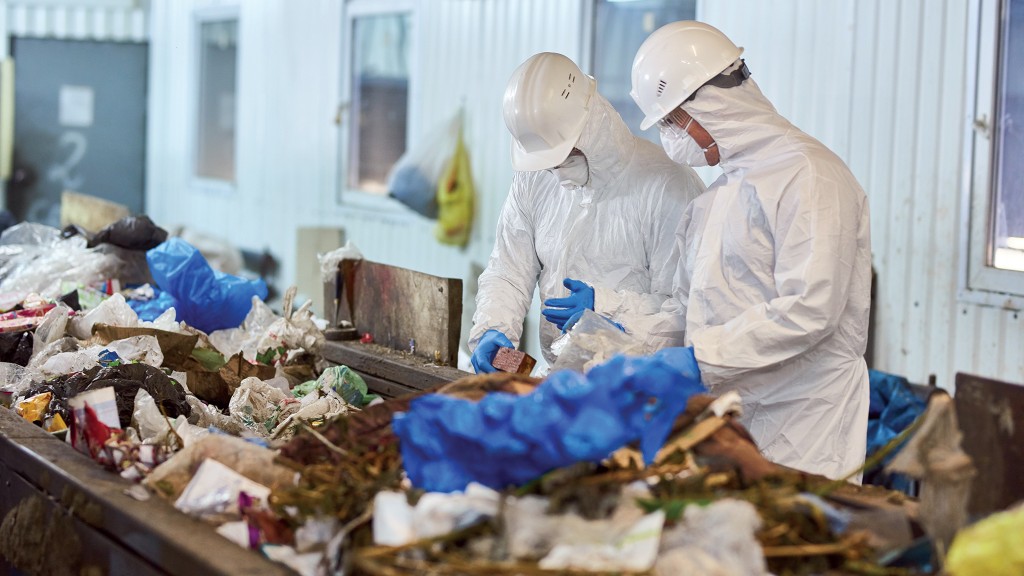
x: 487, y: 348
x: 576, y: 318
x: 560, y: 310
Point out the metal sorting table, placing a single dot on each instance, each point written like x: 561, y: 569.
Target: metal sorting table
x: 63, y: 513
x: 388, y: 372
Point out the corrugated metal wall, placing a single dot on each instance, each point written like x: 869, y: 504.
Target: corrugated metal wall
x: 288, y: 143
x: 102, y: 21
x: 883, y: 84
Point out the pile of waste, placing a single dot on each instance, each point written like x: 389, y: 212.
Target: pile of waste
x: 131, y: 348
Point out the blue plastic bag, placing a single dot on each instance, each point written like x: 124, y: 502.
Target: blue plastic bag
x: 893, y: 408
x: 205, y: 298
x: 151, y: 309
x: 505, y: 439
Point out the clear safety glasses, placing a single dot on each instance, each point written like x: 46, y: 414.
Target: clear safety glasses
x: 677, y: 121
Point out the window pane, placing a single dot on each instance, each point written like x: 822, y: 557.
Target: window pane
x: 619, y: 30
x: 1008, y: 208
x: 380, y: 98
x: 215, y: 142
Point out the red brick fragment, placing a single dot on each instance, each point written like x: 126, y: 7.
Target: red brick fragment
x: 512, y: 360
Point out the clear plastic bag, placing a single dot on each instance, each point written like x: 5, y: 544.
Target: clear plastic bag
x: 330, y: 261
x: 413, y: 179
x: 114, y: 311
x: 591, y: 341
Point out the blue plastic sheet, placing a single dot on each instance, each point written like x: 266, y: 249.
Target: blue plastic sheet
x: 893, y: 408
x: 151, y: 309
x: 204, y: 298
x: 506, y: 439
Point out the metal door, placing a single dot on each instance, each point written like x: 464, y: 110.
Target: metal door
x: 79, y: 124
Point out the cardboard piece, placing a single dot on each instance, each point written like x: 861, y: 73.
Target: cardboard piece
x: 217, y: 387
x: 176, y: 347
x: 89, y: 212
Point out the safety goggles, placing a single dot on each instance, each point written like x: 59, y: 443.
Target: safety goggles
x: 676, y: 121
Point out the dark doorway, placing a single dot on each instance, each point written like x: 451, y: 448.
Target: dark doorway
x: 79, y: 124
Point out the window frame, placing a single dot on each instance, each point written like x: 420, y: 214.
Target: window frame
x: 347, y: 196
x: 980, y: 283
x: 200, y: 16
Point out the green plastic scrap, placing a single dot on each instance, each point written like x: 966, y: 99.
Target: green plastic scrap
x: 343, y: 380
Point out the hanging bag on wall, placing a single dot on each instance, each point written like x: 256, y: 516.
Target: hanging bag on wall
x: 455, y: 197
x: 414, y: 178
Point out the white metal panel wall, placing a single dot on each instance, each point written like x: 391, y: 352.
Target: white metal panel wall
x: 882, y: 83
x: 81, y: 22
x: 287, y: 140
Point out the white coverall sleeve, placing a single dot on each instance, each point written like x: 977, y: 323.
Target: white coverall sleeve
x: 656, y: 318
x: 505, y: 288
x: 816, y: 246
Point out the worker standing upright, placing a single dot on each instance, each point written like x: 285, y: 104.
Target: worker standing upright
x: 776, y: 257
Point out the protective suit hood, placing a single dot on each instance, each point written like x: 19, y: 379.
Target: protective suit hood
x: 748, y: 129
x: 606, y: 142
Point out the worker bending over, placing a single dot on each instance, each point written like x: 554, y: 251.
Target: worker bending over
x: 591, y: 217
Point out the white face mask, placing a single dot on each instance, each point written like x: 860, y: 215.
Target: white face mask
x: 574, y: 173
x: 682, y: 149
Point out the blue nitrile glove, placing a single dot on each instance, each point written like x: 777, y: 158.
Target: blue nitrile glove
x: 487, y: 348
x: 683, y: 360
x: 559, y: 310
x: 576, y: 318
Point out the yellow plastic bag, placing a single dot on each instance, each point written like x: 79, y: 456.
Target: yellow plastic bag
x: 455, y: 199
x: 32, y: 409
x: 991, y: 547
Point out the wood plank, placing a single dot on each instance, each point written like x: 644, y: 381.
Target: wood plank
x: 989, y: 413
x: 381, y: 363
x: 401, y: 309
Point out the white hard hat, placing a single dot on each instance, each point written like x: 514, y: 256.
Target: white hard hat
x: 546, y: 105
x: 674, y: 62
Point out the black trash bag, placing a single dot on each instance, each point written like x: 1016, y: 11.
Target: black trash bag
x: 7, y: 220
x: 131, y: 232
x: 126, y: 381
x: 16, y: 347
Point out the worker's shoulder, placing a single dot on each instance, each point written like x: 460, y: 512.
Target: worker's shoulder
x: 651, y: 161
x: 810, y: 163
x: 530, y: 183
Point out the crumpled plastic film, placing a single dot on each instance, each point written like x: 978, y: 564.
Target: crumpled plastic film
x: 34, y: 258
x: 716, y: 539
x: 114, y: 311
x: 591, y: 341
x: 329, y: 261
x: 506, y: 439
x: 245, y: 338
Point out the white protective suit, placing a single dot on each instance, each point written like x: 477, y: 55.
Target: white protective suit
x: 617, y: 234
x: 776, y: 281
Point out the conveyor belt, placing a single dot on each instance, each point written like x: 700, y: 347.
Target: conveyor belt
x: 63, y: 513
